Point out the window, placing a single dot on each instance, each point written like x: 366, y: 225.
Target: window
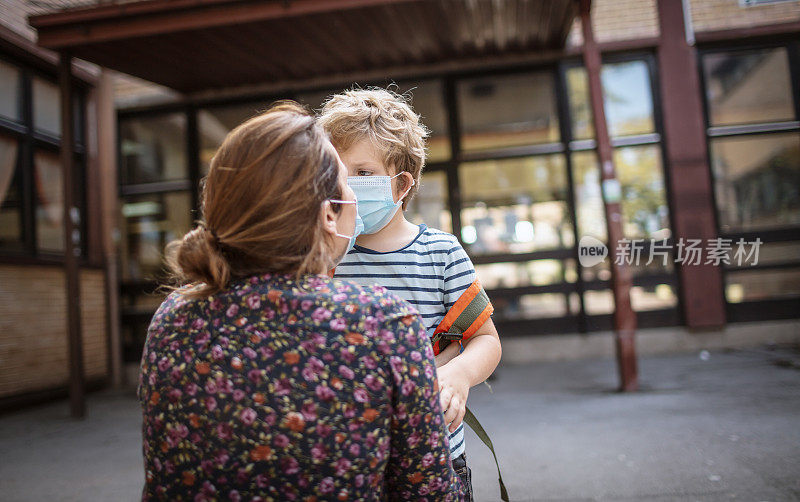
x: 515, y: 205
x: 10, y: 196
x: 754, y: 149
x: 10, y: 91
x: 49, y: 183
x: 31, y: 174
x: 627, y: 98
x: 153, y: 149
x: 46, y: 106
x: 215, y: 123
x: 508, y: 110
x: 429, y: 205
x: 757, y: 181
x: 149, y: 223
x: 427, y: 99
x: 748, y: 87
x: 630, y: 115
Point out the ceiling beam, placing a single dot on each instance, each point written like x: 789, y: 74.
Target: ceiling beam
x: 108, y: 23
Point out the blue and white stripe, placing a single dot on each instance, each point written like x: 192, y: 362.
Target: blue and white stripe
x: 430, y: 273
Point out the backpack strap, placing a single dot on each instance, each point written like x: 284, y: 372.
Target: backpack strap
x: 464, y: 318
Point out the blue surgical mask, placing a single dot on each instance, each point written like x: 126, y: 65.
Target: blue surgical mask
x: 357, y: 230
x: 376, y: 204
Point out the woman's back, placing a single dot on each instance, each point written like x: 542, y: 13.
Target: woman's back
x: 311, y: 390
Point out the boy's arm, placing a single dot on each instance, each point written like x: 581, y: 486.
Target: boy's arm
x: 479, y: 359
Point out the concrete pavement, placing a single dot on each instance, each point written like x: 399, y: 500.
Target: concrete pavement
x: 717, y: 428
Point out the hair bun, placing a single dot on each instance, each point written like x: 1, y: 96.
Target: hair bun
x: 200, y: 260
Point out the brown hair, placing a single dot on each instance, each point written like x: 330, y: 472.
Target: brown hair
x: 386, y: 120
x: 261, y: 204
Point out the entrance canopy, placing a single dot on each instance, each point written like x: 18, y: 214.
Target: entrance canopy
x: 197, y: 45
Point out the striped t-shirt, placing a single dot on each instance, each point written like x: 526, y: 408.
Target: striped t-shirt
x: 430, y: 273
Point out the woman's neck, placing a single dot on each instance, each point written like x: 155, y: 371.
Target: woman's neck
x: 395, y: 235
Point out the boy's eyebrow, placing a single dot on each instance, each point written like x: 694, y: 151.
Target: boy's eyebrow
x: 365, y: 163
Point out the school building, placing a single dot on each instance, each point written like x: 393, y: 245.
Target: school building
x: 702, y: 106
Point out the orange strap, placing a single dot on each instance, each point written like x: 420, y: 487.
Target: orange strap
x: 457, y: 309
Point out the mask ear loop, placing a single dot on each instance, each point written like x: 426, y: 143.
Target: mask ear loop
x: 413, y: 182
x: 337, y: 201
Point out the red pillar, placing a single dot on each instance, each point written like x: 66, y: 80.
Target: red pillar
x: 687, y: 164
x: 72, y: 240
x: 624, y: 316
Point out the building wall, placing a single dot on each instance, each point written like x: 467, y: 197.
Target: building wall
x: 33, y: 336
x: 616, y: 20
x: 712, y: 15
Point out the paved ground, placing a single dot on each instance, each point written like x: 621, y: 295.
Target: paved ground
x: 717, y: 428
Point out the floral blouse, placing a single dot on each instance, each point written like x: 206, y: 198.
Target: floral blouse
x: 283, y: 390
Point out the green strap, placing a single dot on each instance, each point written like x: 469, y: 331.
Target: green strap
x: 470, y: 312
x: 462, y: 322
x: 472, y: 421
x: 476, y: 426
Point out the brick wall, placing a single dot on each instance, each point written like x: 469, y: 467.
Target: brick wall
x: 711, y: 15
x: 615, y: 20
x: 33, y: 338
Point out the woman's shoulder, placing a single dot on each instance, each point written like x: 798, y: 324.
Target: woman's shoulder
x: 368, y: 299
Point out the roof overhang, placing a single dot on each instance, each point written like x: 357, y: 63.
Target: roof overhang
x: 196, y: 45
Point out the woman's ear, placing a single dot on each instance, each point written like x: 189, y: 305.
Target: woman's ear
x: 329, y: 218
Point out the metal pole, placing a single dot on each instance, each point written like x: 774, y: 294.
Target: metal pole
x: 72, y: 239
x: 624, y: 316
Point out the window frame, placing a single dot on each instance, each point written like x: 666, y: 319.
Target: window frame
x: 777, y: 308
x: 578, y: 322
x: 29, y: 141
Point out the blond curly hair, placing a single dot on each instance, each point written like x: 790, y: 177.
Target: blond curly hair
x: 386, y: 119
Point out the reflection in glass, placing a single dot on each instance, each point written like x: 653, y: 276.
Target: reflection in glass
x: 589, y: 208
x: 539, y: 306
x: 644, y: 201
x: 10, y: 200
x: 10, y: 91
x: 768, y: 253
x: 515, y: 205
x: 153, y: 149
x: 754, y: 285
x: 429, y: 205
x: 508, y: 110
x: 627, y: 98
x: 427, y: 100
x: 598, y: 302
x: 215, y: 123
x: 750, y: 86
x: 46, y: 106
x: 531, y: 273
x: 580, y: 108
x: 660, y: 296
x: 148, y: 224
x: 49, y: 201
x: 757, y: 180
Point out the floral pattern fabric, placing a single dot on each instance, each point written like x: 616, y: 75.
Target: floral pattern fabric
x: 278, y: 389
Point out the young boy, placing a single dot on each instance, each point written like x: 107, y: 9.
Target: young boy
x: 382, y: 142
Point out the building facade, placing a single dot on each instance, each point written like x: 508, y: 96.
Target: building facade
x: 513, y: 171
x: 702, y: 100
x: 34, y: 361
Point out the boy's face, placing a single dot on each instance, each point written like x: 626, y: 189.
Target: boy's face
x: 363, y: 159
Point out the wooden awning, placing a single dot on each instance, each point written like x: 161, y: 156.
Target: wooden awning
x: 196, y: 45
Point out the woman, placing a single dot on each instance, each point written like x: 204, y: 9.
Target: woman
x: 263, y: 378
